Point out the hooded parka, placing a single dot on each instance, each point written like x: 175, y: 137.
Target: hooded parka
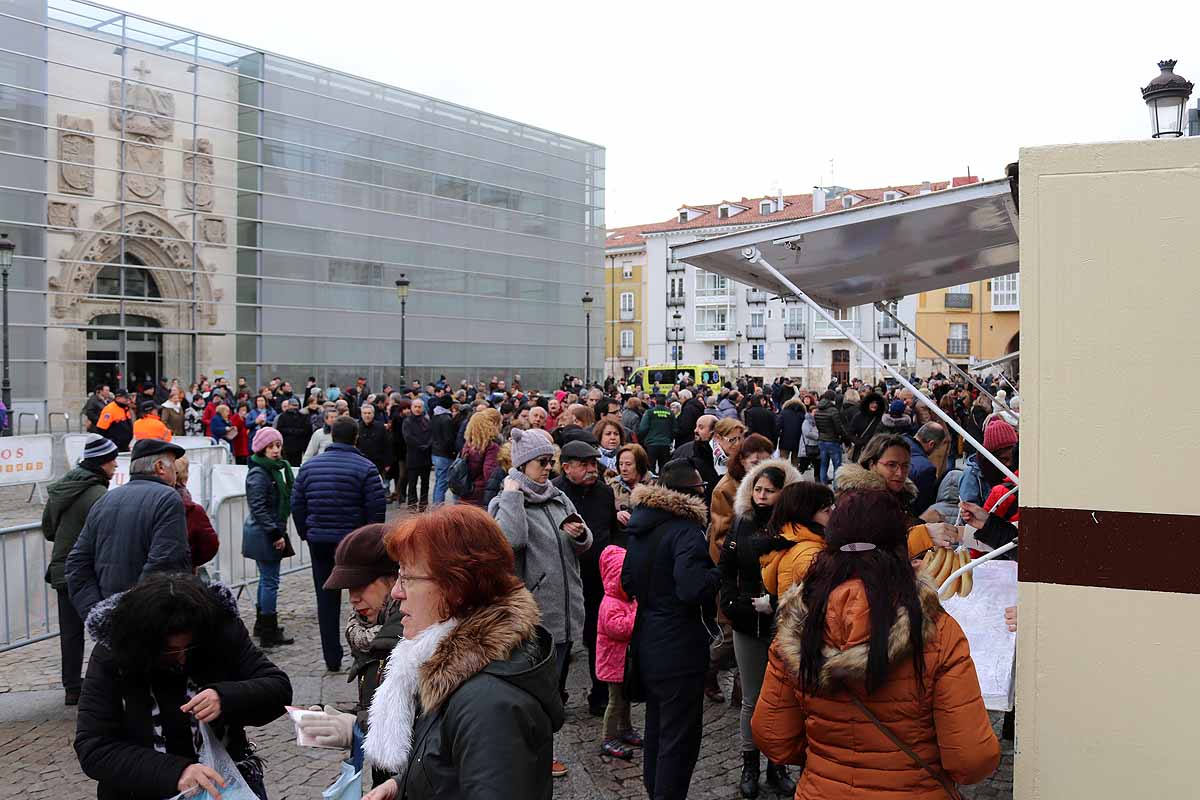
x: 845, y: 756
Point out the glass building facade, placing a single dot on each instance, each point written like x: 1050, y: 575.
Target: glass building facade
x: 184, y: 205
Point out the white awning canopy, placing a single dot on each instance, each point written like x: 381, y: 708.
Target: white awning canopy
x: 877, y: 252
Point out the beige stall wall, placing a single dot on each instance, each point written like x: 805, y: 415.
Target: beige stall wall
x: 1110, y: 286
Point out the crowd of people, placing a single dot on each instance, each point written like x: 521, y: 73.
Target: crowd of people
x: 670, y: 535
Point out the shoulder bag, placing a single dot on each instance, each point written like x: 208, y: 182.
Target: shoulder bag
x: 937, y: 775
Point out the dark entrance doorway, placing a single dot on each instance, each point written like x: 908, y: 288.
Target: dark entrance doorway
x: 143, y: 363
x: 841, y: 366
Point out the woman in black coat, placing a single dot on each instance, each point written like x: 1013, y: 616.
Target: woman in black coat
x: 170, y: 654
x: 866, y: 423
x: 418, y: 459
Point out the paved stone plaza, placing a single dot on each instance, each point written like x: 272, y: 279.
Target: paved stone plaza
x: 36, y: 730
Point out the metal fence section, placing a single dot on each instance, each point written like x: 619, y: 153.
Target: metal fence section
x: 230, y: 567
x: 29, y: 607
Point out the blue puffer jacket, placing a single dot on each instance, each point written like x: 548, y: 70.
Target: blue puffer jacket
x: 335, y: 493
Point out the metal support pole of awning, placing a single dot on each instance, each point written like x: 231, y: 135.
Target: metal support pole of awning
x: 1001, y: 360
x: 753, y: 254
x: 881, y: 307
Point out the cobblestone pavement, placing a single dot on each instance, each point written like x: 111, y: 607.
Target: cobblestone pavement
x: 36, y: 730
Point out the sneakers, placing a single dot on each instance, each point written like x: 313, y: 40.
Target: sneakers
x: 632, y: 737
x: 614, y: 748
x: 558, y: 769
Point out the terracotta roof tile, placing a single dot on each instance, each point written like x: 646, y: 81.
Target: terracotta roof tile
x: 624, y: 237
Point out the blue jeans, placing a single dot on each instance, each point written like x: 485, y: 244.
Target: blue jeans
x: 831, y: 453
x: 268, y: 586
x: 441, y: 478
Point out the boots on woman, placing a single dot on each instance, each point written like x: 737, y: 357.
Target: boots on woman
x: 748, y: 785
x: 273, y: 635
x: 779, y: 781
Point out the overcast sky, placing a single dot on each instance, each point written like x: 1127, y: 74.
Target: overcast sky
x: 698, y: 102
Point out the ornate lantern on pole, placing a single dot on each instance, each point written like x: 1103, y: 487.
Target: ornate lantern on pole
x: 1166, y: 97
x: 587, y: 311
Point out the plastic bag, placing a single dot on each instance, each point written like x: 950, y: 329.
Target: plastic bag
x: 348, y: 786
x: 212, y: 754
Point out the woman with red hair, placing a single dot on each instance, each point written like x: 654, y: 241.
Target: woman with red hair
x: 470, y: 702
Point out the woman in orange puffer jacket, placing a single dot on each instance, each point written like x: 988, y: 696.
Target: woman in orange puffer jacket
x: 870, y: 614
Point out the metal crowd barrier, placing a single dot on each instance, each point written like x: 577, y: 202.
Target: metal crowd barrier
x: 29, y: 607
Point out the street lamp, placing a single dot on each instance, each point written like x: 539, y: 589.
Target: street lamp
x: 739, y: 354
x: 587, y: 312
x: 7, y: 249
x: 678, y: 318
x: 402, y: 293
x: 1166, y: 97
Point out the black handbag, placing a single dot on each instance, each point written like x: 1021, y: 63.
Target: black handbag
x: 633, y: 687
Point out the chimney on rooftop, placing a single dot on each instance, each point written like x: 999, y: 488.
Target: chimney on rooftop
x: 925, y: 187
x: 818, y: 204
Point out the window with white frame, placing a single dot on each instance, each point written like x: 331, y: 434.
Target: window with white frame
x: 626, y: 302
x: 757, y: 319
x: 710, y: 284
x: 1006, y: 293
x: 958, y: 330
x: 764, y: 208
x: 758, y: 351
x: 626, y: 269
x: 795, y: 351
x: 676, y: 352
x: 890, y: 351
x: 962, y: 288
x: 723, y: 212
x: 626, y: 340
x: 683, y: 216
x: 847, y: 201
x: 844, y: 314
x: 718, y: 352
x: 796, y: 315
x: 712, y: 319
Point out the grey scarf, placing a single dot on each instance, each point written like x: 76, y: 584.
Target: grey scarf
x: 536, y: 493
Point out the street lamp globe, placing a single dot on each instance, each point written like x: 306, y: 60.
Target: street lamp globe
x: 7, y: 249
x: 1166, y: 98
x: 402, y: 287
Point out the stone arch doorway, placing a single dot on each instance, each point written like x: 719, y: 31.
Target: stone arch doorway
x: 150, y: 278
x: 1014, y: 366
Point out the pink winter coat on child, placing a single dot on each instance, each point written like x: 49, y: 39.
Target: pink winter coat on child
x: 614, y: 627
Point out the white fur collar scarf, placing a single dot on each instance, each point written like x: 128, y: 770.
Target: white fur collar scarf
x: 389, y: 740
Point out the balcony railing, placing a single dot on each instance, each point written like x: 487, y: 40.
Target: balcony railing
x: 756, y: 296
x: 674, y: 266
x: 677, y: 299
x: 888, y: 329
x: 626, y: 352
x: 756, y: 331
x: 958, y: 347
x: 958, y: 300
x: 626, y: 315
x: 794, y: 330
x: 823, y: 330
x: 722, y: 334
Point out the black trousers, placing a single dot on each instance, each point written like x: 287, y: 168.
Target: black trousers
x: 593, y: 594
x: 674, y: 724
x: 659, y: 454
x: 415, y: 498
x: 70, y: 642
x: 329, y: 604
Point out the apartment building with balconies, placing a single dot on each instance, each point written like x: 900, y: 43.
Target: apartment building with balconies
x: 624, y: 284
x: 969, y: 323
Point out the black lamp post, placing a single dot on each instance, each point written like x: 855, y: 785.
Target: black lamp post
x: 1166, y: 97
x: 587, y: 313
x: 739, y: 354
x: 678, y: 318
x: 7, y: 249
x: 402, y: 293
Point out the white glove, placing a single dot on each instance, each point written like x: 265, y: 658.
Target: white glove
x: 762, y: 604
x: 331, y: 728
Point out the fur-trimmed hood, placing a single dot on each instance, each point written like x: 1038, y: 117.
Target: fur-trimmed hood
x: 847, y: 631
x: 851, y: 477
x: 674, y: 503
x: 745, y: 493
x: 489, y: 635
x: 99, y: 619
